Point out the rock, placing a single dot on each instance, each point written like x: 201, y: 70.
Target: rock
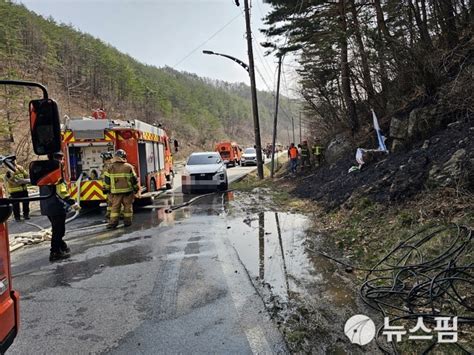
x: 398, y: 128
x: 397, y: 145
x: 463, y: 142
x: 422, y: 121
x: 426, y: 144
x: 372, y: 155
x: 451, y: 172
x: 455, y: 125
x: 337, y: 148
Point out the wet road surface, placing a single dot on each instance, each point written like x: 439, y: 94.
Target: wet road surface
x: 174, y: 282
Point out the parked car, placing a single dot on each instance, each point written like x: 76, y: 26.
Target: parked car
x: 249, y: 157
x: 204, y: 171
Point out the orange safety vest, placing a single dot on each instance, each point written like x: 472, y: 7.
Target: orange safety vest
x: 293, y: 152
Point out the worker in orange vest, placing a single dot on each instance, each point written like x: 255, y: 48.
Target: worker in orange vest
x: 293, y: 155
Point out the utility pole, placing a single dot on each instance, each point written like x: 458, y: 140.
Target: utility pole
x: 275, y: 120
x: 301, y: 138
x: 293, y: 126
x: 256, y: 123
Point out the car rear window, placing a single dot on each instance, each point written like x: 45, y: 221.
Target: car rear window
x: 202, y: 159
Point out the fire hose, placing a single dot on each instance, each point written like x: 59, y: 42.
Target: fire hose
x: 427, y: 275
x: 43, y: 234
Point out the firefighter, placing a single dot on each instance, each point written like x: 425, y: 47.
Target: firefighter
x: 121, y: 184
x: 55, y: 208
x: 106, y: 160
x: 305, y: 156
x: 293, y: 155
x: 16, y: 183
x: 317, y: 153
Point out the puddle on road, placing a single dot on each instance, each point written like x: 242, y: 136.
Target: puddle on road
x: 310, y: 295
x: 271, y: 245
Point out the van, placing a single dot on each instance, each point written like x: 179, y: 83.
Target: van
x: 230, y: 152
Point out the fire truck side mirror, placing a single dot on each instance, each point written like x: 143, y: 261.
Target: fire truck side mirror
x: 176, y: 145
x: 45, y: 126
x: 5, y: 210
x: 45, y: 172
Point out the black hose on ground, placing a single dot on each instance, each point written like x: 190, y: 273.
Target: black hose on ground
x: 194, y: 199
x: 429, y: 275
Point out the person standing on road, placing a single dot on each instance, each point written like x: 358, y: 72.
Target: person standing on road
x: 293, y: 155
x: 56, y: 208
x: 121, y: 184
x: 16, y: 184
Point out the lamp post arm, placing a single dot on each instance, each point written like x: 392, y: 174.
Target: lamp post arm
x: 238, y: 61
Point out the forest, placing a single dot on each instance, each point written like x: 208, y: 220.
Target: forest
x: 399, y: 58
x: 83, y: 73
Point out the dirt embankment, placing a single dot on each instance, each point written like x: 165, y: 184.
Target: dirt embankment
x: 445, y: 160
x: 361, y: 216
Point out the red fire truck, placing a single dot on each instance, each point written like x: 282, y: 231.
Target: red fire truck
x: 148, y: 149
x: 46, y: 138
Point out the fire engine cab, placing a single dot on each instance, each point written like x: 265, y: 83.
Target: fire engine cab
x: 46, y: 140
x: 84, y: 139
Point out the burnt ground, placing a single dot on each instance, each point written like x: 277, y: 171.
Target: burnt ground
x: 398, y: 177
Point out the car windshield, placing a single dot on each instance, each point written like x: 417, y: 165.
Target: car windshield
x: 203, y: 159
x: 249, y: 151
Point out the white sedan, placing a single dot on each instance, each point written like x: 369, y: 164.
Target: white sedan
x: 204, y: 171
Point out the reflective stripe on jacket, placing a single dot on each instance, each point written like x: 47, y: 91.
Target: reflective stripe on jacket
x: 120, y: 177
x: 317, y: 150
x: 15, y: 182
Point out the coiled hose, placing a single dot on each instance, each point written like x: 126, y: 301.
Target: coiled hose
x: 428, y: 275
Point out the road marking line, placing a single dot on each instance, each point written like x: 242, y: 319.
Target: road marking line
x: 255, y: 334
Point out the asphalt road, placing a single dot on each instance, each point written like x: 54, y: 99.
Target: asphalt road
x: 172, y: 283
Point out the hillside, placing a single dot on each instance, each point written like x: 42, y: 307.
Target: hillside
x: 82, y: 73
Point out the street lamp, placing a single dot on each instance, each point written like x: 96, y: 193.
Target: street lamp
x: 258, y: 144
x: 238, y: 61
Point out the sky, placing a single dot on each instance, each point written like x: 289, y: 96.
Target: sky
x: 174, y: 33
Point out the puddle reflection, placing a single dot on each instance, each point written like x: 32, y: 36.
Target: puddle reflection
x: 270, y: 244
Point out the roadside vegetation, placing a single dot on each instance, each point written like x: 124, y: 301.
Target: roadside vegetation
x: 84, y: 73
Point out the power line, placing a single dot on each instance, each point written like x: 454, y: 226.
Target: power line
x: 260, y: 54
x: 207, y: 40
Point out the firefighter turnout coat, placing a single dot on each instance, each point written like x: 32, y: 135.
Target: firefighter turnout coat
x: 121, y: 183
x: 15, y: 181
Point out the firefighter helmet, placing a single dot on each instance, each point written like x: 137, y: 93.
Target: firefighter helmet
x: 120, y: 153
